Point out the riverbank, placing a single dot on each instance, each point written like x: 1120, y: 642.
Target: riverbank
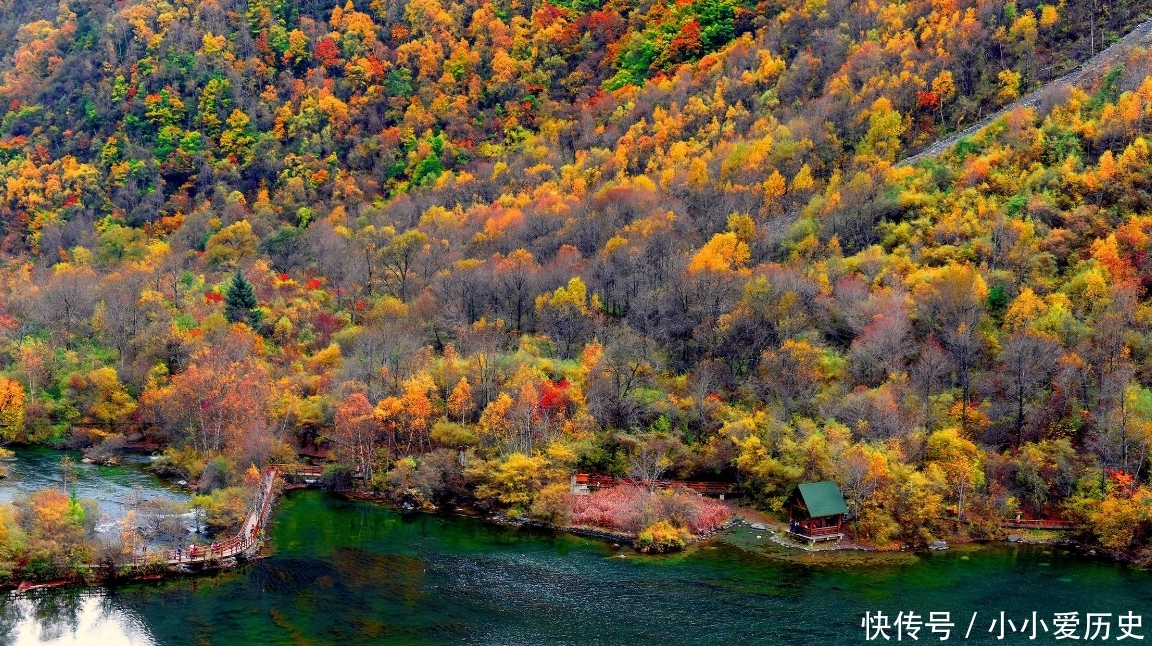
x: 118, y: 564
x: 107, y: 576
x: 760, y: 524
x: 448, y: 578
x: 619, y: 538
x: 473, y: 510
x: 743, y: 518
x: 776, y: 531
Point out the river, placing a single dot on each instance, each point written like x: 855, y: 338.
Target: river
x: 356, y: 573
x: 114, y: 487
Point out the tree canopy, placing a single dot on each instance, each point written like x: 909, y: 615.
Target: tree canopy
x: 470, y: 248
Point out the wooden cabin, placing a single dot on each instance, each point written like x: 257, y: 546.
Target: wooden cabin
x: 816, y: 511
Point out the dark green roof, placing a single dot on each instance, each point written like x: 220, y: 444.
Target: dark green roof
x: 823, y: 498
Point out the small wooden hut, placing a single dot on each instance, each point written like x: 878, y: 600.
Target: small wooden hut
x: 816, y: 511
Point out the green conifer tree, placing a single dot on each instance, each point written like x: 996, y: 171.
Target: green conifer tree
x: 240, y: 301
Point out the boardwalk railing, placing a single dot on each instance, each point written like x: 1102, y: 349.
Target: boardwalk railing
x: 308, y: 471
x: 242, y: 544
x: 594, y: 481
x: 301, y: 470
x: 1036, y: 524
x: 814, y: 531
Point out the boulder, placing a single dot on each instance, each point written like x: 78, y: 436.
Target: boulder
x: 1014, y: 538
x: 938, y: 545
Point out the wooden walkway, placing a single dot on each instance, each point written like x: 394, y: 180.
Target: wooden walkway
x: 299, y: 470
x: 308, y: 473
x: 813, y: 536
x: 1057, y: 525
x: 241, y: 546
x: 593, y: 481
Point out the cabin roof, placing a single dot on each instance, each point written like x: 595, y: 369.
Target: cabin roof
x: 821, y: 498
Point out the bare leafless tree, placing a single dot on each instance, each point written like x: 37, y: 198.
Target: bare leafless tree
x: 652, y: 457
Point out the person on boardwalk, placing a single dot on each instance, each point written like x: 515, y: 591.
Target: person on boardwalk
x: 179, y: 554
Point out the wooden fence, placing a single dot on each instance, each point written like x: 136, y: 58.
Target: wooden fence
x: 1037, y: 524
x: 594, y: 481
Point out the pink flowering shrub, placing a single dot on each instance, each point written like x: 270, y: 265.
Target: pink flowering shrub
x: 618, y: 508
x: 629, y: 509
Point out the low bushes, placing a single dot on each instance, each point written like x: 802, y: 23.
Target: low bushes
x: 660, y: 537
x: 637, y: 511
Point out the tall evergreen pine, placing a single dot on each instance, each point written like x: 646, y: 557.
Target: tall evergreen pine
x: 240, y: 301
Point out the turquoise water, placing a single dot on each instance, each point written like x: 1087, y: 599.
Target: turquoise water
x: 356, y: 573
x: 114, y: 487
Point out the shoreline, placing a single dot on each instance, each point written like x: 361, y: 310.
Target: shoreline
x: 746, y: 517
x: 469, y: 510
x: 244, y: 547
x: 21, y: 586
x: 615, y: 539
x: 109, y: 574
x: 741, y: 516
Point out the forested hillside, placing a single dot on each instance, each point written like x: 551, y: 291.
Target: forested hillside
x: 474, y: 247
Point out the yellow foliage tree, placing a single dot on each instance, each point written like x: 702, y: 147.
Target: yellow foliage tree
x: 108, y: 398
x: 961, y: 462
x: 885, y: 126
x: 11, y: 410
x: 495, y: 423
x: 564, y: 314
x: 1118, y: 516
x: 724, y: 252
x: 231, y: 244
x: 460, y: 401
x: 516, y: 480
x: 1009, y: 85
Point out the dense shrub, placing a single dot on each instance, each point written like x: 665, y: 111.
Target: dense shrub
x: 336, y: 477
x: 629, y: 509
x: 660, y: 537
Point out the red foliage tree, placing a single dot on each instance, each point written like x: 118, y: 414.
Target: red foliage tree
x: 927, y: 100
x: 686, y: 45
x: 327, y: 53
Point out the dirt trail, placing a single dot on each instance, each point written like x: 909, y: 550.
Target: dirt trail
x: 1090, y: 69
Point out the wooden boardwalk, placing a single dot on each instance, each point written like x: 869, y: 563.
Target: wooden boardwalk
x: 593, y: 481
x: 304, y: 471
x: 1058, y: 525
x: 243, y: 545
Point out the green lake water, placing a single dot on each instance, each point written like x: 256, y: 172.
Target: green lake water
x: 356, y: 573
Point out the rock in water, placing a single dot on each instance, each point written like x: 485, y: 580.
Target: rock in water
x: 759, y: 526
x: 938, y: 545
x: 1014, y: 538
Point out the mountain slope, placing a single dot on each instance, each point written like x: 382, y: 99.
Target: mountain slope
x: 605, y: 237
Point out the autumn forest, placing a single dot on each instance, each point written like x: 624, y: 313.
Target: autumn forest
x: 466, y: 249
